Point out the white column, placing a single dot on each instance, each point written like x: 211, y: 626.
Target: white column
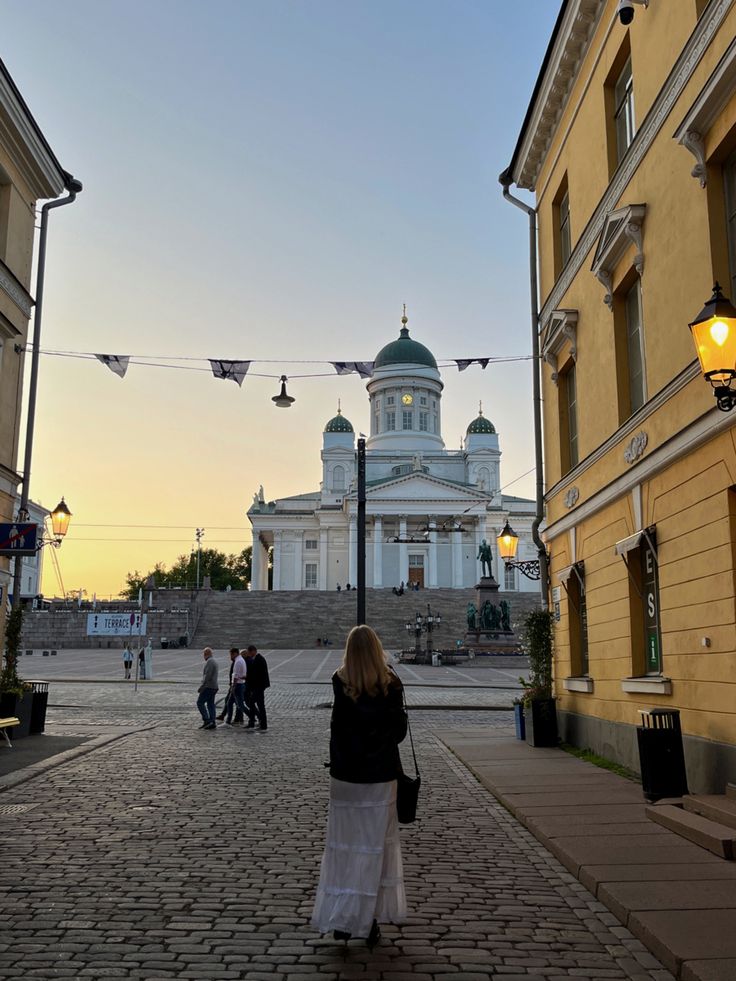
x: 323, y: 558
x: 255, y: 563
x: 432, y: 581
x: 403, y: 552
x: 298, y: 564
x: 277, y: 535
x: 352, y: 549
x: 457, y: 558
x: 264, y: 568
x: 378, y: 551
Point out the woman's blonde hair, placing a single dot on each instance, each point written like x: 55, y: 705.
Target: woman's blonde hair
x: 364, y: 668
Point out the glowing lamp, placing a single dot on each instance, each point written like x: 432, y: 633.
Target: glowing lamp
x: 507, y: 542
x: 714, y: 336
x: 60, y: 518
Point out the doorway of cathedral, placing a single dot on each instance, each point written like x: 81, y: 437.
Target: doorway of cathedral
x: 416, y: 569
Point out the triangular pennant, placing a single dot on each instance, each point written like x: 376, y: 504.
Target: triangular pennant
x: 118, y: 364
x: 230, y: 370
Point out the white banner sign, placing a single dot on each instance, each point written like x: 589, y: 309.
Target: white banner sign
x: 116, y: 624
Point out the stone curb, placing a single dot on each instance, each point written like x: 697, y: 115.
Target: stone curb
x: 11, y: 780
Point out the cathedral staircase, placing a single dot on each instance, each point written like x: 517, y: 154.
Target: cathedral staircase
x: 295, y: 619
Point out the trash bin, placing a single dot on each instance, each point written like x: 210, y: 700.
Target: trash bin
x: 38, y: 706
x: 164, y: 644
x: 661, y: 755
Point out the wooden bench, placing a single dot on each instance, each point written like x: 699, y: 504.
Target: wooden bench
x: 6, y: 724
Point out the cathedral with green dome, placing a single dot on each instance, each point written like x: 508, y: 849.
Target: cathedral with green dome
x: 428, y: 509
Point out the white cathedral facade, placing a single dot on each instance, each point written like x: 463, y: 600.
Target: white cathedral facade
x: 440, y: 504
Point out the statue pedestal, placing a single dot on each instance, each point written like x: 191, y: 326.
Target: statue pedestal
x: 495, y: 640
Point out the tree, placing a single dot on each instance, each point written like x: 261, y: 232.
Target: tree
x: 223, y: 570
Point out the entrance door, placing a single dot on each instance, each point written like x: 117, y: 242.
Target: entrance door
x: 416, y: 569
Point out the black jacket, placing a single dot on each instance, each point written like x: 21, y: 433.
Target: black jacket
x: 257, y: 677
x: 365, y: 734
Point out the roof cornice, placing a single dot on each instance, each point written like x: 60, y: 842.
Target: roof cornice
x: 26, y: 144
x: 568, y: 46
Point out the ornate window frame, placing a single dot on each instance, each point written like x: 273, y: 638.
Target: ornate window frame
x: 620, y: 228
x: 711, y: 101
x: 562, y: 327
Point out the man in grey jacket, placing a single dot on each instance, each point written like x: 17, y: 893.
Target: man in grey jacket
x: 208, y: 690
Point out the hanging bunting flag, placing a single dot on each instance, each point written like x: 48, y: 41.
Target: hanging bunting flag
x: 465, y: 363
x: 233, y: 370
x: 116, y: 363
x: 364, y: 368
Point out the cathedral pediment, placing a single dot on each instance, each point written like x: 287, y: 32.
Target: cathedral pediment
x: 422, y: 487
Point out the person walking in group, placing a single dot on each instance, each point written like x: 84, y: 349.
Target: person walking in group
x: 238, y: 689
x: 127, y: 662
x: 256, y: 683
x: 227, y: 708
x: 361, y: 880
x: 208, y: 690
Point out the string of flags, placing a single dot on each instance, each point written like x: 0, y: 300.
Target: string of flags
x: 237, y: 370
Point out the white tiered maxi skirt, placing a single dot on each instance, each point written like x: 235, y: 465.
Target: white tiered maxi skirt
x: 361, y: 878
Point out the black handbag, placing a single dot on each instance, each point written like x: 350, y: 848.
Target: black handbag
x: 407, y: 789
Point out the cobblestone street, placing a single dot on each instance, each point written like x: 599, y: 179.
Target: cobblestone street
x: 179, y: 853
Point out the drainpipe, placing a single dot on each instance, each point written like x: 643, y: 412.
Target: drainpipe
x: 506, y: 180
x: 74, y: 187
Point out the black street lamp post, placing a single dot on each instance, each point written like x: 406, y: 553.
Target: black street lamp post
x: 423, y: 624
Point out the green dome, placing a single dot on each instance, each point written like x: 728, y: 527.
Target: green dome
x: 339, y: 424
x: 481, y: 425
x: 404, y: 351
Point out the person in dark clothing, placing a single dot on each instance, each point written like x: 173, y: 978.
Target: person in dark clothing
x: 361, y: 878
x: 227, y: 709
x: 256, y: 683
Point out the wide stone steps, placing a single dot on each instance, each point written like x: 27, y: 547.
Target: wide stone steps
x: 298, y: 618
x: 717, y: 838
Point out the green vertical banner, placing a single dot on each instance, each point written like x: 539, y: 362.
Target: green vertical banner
x: 651, y: 603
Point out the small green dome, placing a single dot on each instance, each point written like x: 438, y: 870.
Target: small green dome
x: 481, y: 425
x: 404, y: 351
x: 339, y: 424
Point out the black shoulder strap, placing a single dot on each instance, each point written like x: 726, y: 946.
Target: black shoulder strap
x: 408, y: 725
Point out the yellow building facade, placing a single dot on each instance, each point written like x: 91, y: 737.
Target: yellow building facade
x: 629, y: 145
x: 29, y: 171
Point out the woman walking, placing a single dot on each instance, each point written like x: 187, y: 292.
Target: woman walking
x: 361, y: 879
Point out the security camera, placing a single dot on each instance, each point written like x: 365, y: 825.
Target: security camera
x: 625, y: 11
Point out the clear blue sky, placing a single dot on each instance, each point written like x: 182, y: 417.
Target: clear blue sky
x: 266, y: 180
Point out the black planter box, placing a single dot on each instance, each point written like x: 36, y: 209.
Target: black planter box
x: 18, y: 707
x: 541, y: 722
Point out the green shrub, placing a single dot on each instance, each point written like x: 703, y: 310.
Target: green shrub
x: 539, y: 647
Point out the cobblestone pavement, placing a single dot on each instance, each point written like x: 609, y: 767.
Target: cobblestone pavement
x: 178, y: 853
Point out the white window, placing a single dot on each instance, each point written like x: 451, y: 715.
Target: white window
x: 509, y: 577
x: 338, y: 478
x: 623, y: 95
x: 378, y: 405
x: 423, y: 422
x: 406, y: 419
x: 434, y: 422
x: 635, y: 347
x: 484, y: 478
x: 390, y: 400
x: 565, y: 239
x: 310, y: 544
x: 422, y: 399
x: 729, y: 183
x: 310, y: 575
x: 390, y: 420
x: 377, y: 422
